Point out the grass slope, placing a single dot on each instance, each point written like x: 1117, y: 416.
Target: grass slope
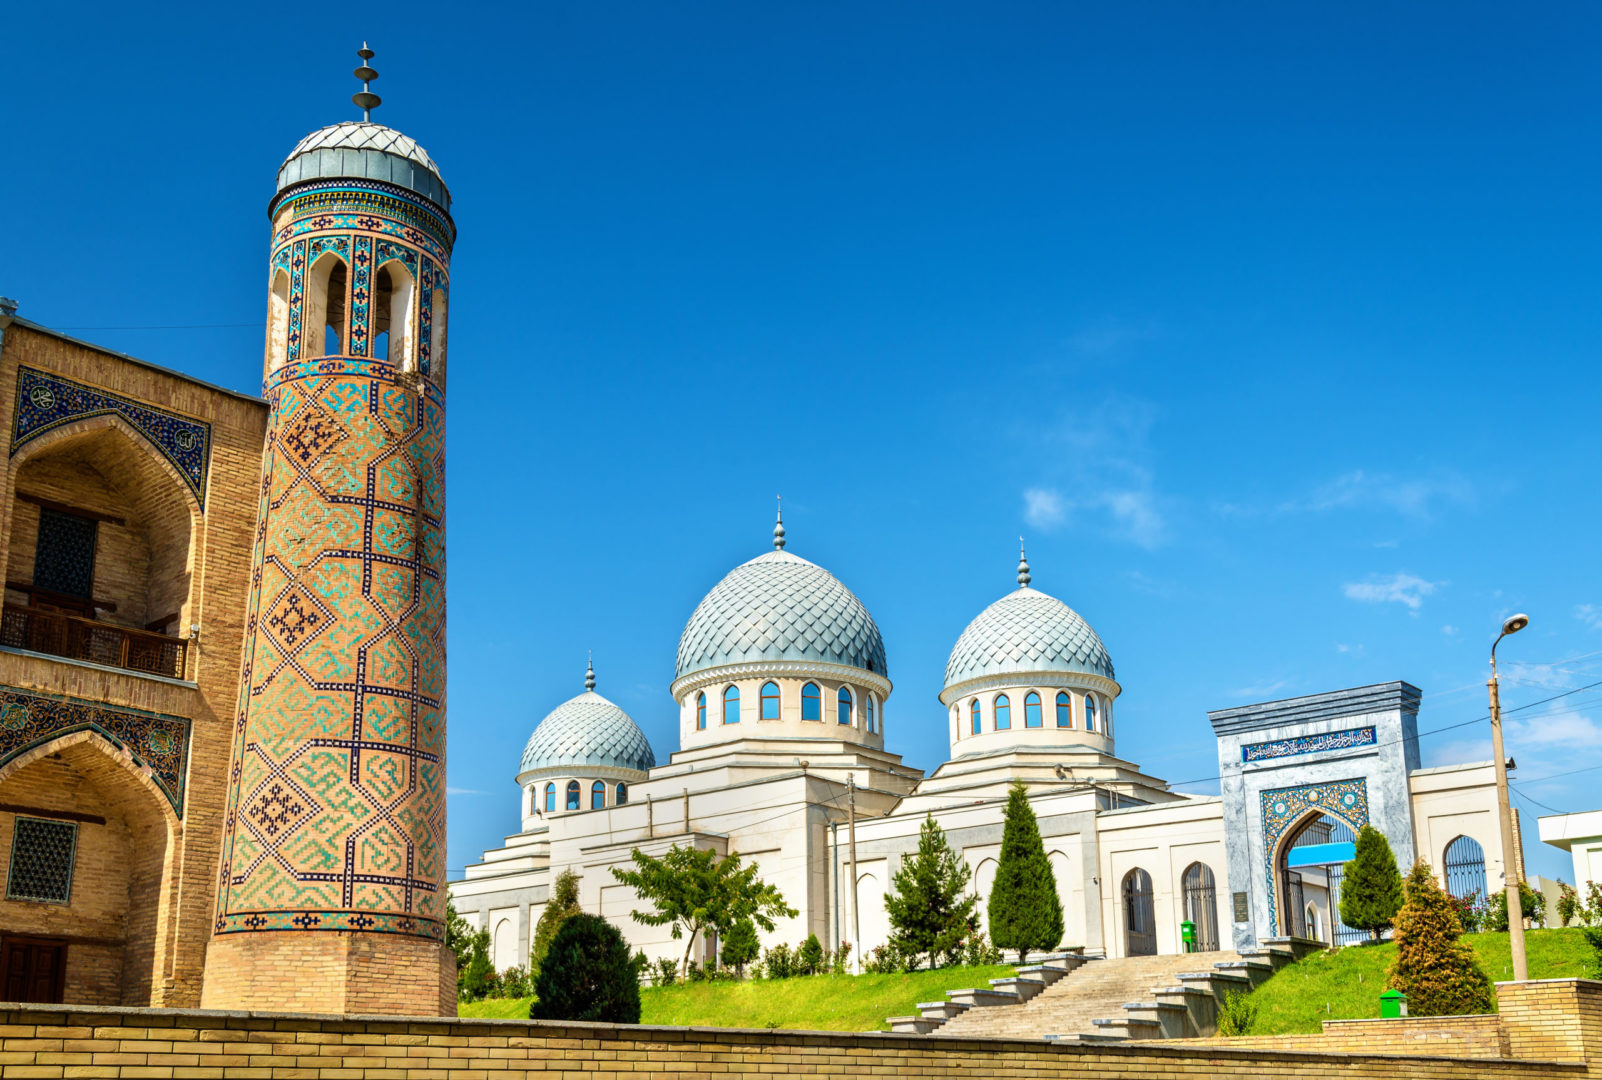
x: 815, y: 1003
x: 1346, y: 984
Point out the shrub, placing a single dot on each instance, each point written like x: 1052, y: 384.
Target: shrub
x: 587, y: 975
x: 1533, y: 904
x: 1470, y: 912
x: 1591, y: 911
x: 695, y: 973
x: 777, y: 963
x: 562, y: 905
x: 1024, y: 911
x: 842, y: 958
x: 740, y: 946
x: 667, y: 971
x: 1568, y: 905
x: 514, y: 983
x: 1237, y: 1014
x: 1371, y: 890
x: 809, y: 956
x: 1434, y: 967
x: 980, y: 952
x: 1593, y: 938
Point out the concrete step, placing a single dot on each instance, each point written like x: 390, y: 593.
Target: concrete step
x: 1046, y: 973
x: 1131, y: 1027
x: 941, y: 1010
x: 913, y: 1025
x: 1022, y: 985
x: 1169, y: 1016
x: 982, y: 997
x: 1257, y: 972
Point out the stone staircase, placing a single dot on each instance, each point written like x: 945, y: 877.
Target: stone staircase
x: 1077, y: 998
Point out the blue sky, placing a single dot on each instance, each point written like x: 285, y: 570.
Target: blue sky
x: 1274, y: 328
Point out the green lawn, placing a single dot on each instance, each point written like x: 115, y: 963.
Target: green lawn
x: 1346, y: 984
x: 818, y: 1002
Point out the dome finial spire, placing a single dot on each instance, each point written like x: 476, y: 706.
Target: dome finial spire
x: 778, y: 527
x: 366, y: 100
x: 1023, y: 565
x: 589, y: 674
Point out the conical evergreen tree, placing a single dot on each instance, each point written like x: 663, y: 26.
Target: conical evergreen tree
x: 929, y: 906
x: 1433, y: 966
x: 740, y: 946
x: 1371, y: 890
x: 562, y: 905
x: 1024, y: 911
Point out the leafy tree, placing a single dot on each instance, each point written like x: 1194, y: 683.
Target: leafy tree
x: 475, y: 973
x: 929, y: 906
x: 1371, y: 890
x: 562, y: 905
x: 1593, y: 963
x: 1434, y: 967
x: 809, y: 957
x: 587, y: 975
x: 740, y: 946
x: 1531, y: 901
x: 1024, y: 911
x: 693, y: 891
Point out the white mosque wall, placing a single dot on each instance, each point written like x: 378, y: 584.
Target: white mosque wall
x: 1163, y: 840
x: 1453, y: 801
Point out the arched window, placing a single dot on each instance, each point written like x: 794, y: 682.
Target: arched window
x: 597, y: 796
x: 842, y: 708
x: 974, y: 723
x: 700, y: 712
x: 811, y: 702
x: 323, y: 318
x: 1465, y: 868
x: 770, y: 701
x: 1200, y: 891
x: 278, y: 321
x: 392, y: 316
x: 1090, y: 713
x: 1003, y: 712
x: 572, y: 794
x: 437, y: 363
x: 533, y: 800
x: 1065, y: 709
x: 731, y: 705
x: 867, y: 714
x: 550, y: 798
x: 1140, y: 920
x: 622, y: 793
x: 1031, y: 709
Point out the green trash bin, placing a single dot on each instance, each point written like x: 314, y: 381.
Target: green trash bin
x: 1187, y: 934
x: 1393, y: 1005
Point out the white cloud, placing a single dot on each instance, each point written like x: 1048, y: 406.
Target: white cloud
x: 1408, y: 589
x: 1412, y: 497
x: 1349, y: 650
x: 1566, y: 729
x: 1589, y: 614
x: 1043, y: 508
x: 1260, y: 691
x: 1449, y: 630
x: 464, y: 791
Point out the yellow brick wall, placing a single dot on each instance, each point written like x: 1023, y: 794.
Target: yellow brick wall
x: 176, y: 905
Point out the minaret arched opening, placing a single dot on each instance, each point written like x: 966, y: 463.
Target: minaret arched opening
x: 325, y: 306
x: 278, y: 321
x: 392, y: 316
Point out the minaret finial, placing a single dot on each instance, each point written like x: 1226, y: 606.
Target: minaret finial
x: 1023, y: 566
x: 589, y: 674
x: 366, y: 101
x: 778, y: 527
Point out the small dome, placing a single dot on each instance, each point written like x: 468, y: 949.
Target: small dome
x: 779, y: 606
x: 361, y: 149
x: 1027, y: 631
x: 587, y: 732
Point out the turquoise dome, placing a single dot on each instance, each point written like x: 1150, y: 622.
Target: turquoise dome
x: 588, y: 732
x: 1027, y: 631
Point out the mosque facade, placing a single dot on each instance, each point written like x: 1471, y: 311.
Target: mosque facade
x: 781, y: 687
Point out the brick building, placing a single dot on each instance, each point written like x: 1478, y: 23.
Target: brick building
x: 222, y: 669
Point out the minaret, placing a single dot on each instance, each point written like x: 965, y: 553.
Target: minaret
x: 331, y: 890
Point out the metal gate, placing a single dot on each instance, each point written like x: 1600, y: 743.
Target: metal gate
x: 1201, y: 905
x: 1465, y: 868
x: 1140, y: 918
x: 1344, y: 935
x: 1324, y: 844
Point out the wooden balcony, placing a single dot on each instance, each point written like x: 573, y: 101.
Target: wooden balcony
x: 77, y: 638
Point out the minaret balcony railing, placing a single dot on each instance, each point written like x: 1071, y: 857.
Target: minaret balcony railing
x: 75, y: 638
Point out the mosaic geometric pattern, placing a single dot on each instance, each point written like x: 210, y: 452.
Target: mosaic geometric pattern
x: 361, y: 295
x: 45, y: 402
x: 336, y: 805
x: 343, y: 205
x: 1308, y: 744
x: 41, y: 860
x: 1284, y: 808
x: 155, y: 743
x: 1027, y: 630
x: 588, y: 730
x: 780, y: 607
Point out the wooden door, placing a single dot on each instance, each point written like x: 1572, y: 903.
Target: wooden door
x: 35, y: 969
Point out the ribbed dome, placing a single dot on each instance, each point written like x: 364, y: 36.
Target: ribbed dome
x: 361, y: 149
x: 1026, y: 630
x: 779, y: 606
x: 588, y: 731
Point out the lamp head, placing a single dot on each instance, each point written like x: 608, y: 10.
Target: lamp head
x: 1514, y: 623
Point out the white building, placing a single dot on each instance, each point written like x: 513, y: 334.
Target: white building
x: 782, y: 688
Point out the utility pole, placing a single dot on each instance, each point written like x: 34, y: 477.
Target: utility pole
x: 851, y: 831
x: 1504, y: 811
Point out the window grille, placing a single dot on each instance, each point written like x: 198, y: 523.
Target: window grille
x: 41, y: 860
x: 64, y: 558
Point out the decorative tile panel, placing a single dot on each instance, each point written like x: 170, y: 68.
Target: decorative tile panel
x: 1308, y: 744
x: 155, y: 743
x: 1283, y: 808
x: 46, y: 402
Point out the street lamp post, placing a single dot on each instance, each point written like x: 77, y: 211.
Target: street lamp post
x: 1510, y: 878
